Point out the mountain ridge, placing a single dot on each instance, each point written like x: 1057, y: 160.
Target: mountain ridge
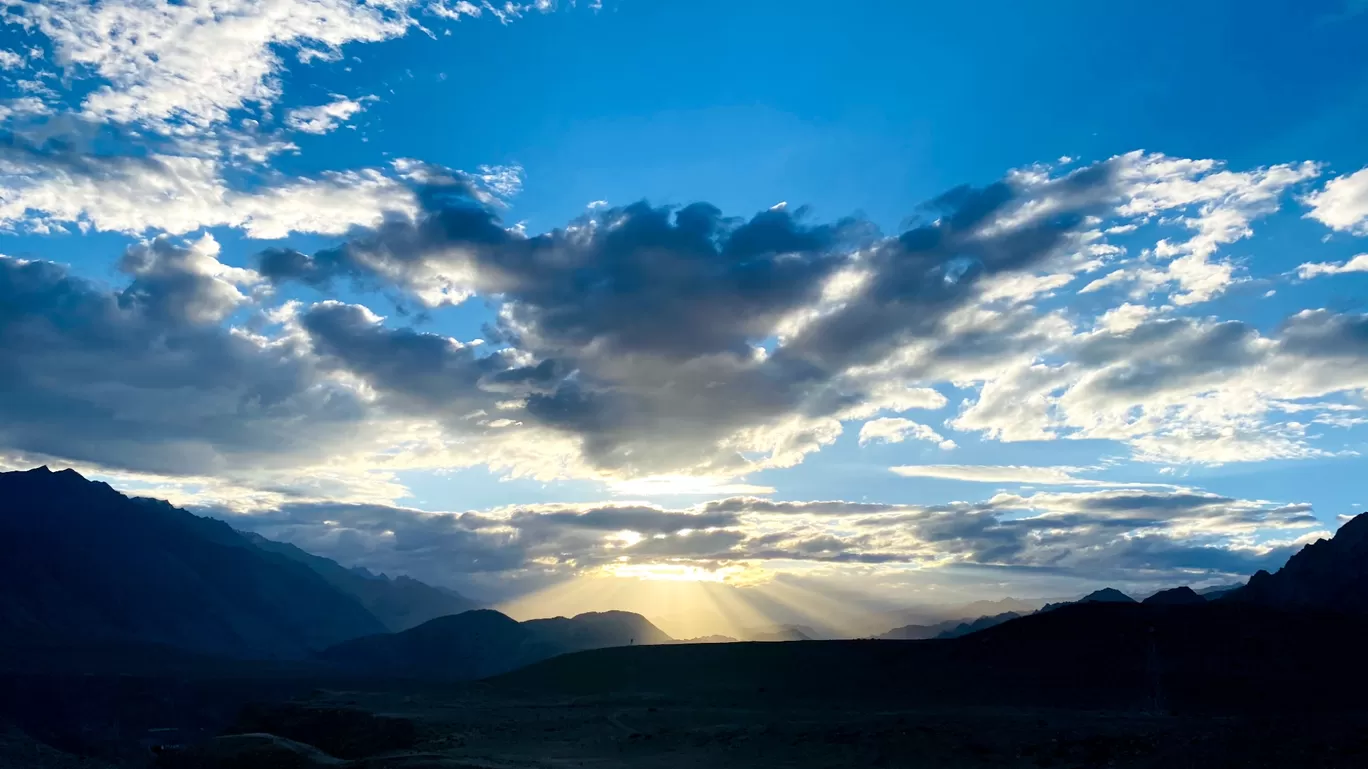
x: 398, y: 602
x: 80, y: 560
x: 485, y: 642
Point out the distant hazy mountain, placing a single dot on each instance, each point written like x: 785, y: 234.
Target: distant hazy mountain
x: 780, y: 633
x: 919, y: 632
x: 949, y: 615
x: 707, y: 639
x: 948, y: 629
x: 484, y: 642
x: 1330, y: 574
x: 400, y: 602
x: 982, y: 623
x: 1216, y: 591
x: 82, y: 563
x: 1174, y: 597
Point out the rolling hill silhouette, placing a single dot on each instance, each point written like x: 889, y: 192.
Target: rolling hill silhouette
x: 484, y: 642
x: 1177, y: 596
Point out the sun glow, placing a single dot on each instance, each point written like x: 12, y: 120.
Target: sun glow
x: 674, y: 572
x: 695, y: 599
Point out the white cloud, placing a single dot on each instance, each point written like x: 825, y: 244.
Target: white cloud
x: 503, y: 181
x: 192, y: 64
x: 1059, y: 475
x: 894, y: 430
x: 1180, y: 390
x: 994, y: 473
x: 11, y: 60
x: 1310, y: 270
x: 1217, y: 205
x: 505, y: 12
x: 1123, y: 318
x: 1342, y: 204
x: 178, y: 194
x: 323, y: 118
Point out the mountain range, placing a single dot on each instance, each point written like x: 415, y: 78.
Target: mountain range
x: 87, y: 569
x: 1327, y: 575
x: 398, y: 602
x: 82, y: 564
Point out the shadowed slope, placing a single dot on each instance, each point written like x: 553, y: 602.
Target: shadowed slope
x: 80, y: 561
x: 484, y: 642
x: 398, y: 602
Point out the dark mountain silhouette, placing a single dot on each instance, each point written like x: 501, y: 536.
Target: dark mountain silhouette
x: 1328, y: 574
x: 982, y: 623
x: 919, y: 632
x: 484, y: 642
x: 1174, y: 597
x: 399, y: 602
x: 1105, y: 595
x: 81, y: 562
x: 595, y: 630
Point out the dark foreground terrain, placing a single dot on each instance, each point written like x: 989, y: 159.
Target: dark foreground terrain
x: 1084, y: 686
x: 488, y: 729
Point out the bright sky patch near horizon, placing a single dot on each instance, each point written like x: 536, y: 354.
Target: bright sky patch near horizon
x: 898, y: 301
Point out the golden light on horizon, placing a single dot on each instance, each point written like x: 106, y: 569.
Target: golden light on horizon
x: 691, y: 600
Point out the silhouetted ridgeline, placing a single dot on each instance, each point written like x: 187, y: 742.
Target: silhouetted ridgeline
x: 1262, y: 647
x: 1330, y: 574
x: 80, y: 561
x: 484, y: 643
x: 398, y: 602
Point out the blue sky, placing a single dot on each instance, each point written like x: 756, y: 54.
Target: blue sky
x: 1130, y: 349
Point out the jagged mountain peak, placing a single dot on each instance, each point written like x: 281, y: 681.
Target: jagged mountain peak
x: 1328, y: 574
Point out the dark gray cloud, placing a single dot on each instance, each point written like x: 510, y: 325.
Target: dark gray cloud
x: 638, y: 331
x: 146, y: 379
x: 1121, y: 535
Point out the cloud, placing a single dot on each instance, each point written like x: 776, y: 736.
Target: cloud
x: 1128, y: 535
x: 1044, y: 476
x: 639, y: 332
x: 1310, y: 270
x: 671, y: 348
x: 323, y: 118
x: 147, y: 60
x: 1342, y: 204
x: 897, y: 430
x: 1180, y: 390
x: 146, y: 379
x: 45, y: 188
x: 1217, y: 205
